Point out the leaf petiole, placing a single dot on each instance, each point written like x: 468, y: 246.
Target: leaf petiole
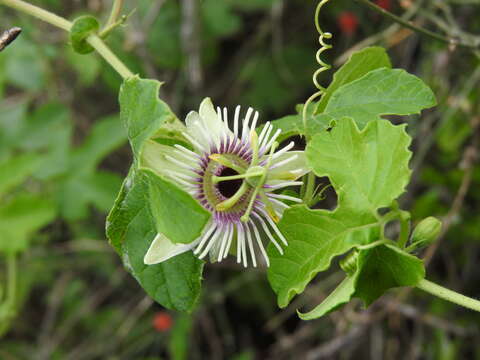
x: 449, y: 295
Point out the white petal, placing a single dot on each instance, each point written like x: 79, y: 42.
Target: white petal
x: 214, y: 127
x: 278, y: 206
x: 274, y: 185
x: 163, y: 249
x: 281, y: 165
x: 207, y: 111
x: 156, y: 156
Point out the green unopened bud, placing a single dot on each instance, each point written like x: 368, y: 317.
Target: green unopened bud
x: 426, y: 232
x: 349, y: 263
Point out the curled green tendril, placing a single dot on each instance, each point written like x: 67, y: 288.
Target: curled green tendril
x: 323, y: 65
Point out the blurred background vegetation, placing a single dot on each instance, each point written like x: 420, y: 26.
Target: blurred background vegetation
x: 63, y: 154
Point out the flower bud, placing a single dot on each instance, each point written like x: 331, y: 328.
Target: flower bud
x: 426, y: 232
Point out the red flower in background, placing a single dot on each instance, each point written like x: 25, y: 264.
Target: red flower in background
x: 384, y: 4
x: 347, y: 22
x: 162, y: 321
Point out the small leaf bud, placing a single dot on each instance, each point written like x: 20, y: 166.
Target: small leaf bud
x: 426, y: 232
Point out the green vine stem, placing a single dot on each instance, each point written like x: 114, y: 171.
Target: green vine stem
x: 66, y: 25
x: 449, y: 295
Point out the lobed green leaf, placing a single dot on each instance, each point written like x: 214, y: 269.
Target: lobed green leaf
x: 389, y: 267
x: 315, y: 237
x: 359, y: 64
x: 369, y: 168
x: 380, y: 92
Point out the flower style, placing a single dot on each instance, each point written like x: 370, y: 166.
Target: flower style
x: 233, y: 175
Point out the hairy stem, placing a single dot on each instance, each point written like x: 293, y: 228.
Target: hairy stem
x: 449, y: 295
x: 64, y: 24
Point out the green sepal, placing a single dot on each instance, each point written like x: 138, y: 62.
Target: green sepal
x: 176, y: 214
x: 425, y: 233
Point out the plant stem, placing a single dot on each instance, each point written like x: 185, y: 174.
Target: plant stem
x: 418, y: 29
x: 404, y: 217
x: 64, y: 24
x: 309, y: 189
x: 39, y: 13
x: 115, y: 13
x: 109, y: 56
x: 449, y: 295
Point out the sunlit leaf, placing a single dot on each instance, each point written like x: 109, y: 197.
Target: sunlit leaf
x: 380, y: 92
x: 314, y: 238
x: 369, y: 168
x: 359, y: 64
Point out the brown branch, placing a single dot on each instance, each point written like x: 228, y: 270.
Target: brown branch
x: 9, y: 36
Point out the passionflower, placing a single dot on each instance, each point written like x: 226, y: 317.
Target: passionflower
x: 233, y: 174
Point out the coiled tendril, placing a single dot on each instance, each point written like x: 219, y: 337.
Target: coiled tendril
x: 323, y: 65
